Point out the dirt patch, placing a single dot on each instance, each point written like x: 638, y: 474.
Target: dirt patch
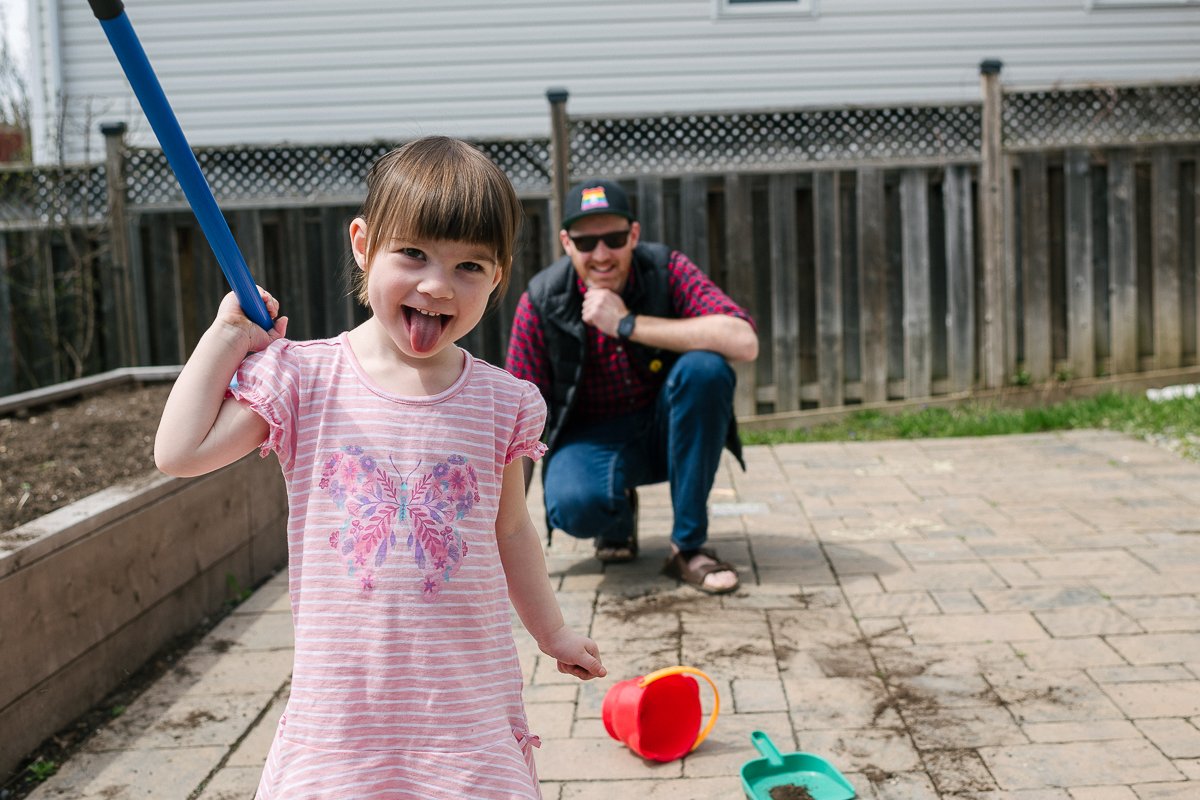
x: 193, y: 720
x: 631, y: 607
x: 54, y: 455
x: 790, y: 791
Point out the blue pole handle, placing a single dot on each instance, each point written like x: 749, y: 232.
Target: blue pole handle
x: 179, y: 155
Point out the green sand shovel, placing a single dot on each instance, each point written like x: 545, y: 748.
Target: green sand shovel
x: 797, y: 771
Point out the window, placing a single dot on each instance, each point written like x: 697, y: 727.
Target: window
x: 758, y: 8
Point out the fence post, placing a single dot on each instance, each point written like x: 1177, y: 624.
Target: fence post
x: 8, y: 332
x: 119, y: 309
x: 991, y: 204
x: 560, y: 163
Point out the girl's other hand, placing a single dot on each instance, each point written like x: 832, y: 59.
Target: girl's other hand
x: 234, y: 321
x: 576, y: 654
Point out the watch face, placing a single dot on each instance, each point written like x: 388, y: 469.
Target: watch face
x: 625, y: 326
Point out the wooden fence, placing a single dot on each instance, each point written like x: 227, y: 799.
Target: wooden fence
x: 871, y: 279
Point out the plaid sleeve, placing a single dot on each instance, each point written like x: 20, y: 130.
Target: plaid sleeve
x: 526, y: 358
x: 695, y: 295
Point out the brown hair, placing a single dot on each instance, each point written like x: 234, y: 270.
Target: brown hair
x: 439, y: 188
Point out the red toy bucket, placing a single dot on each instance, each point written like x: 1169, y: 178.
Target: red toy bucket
x: 658, y: 715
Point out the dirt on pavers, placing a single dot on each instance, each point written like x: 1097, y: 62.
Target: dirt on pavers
x: 60, y: 747
x: 632, y: 607
x: 54, y: 455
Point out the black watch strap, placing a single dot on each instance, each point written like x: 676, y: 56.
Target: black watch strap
x: 625, y: 326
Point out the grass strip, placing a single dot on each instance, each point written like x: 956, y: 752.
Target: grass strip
x: 1176, y: 418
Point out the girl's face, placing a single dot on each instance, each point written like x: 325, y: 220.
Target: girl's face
x: 425, y: 294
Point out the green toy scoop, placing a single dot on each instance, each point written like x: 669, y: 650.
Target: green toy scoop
x: 796, y: 776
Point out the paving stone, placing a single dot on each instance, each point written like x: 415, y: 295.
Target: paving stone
x: 1025, y: 794
x: 1103, y: 793
x: 1167, y: 791
x: 1040, y: 599
x: 250, y: 633
x: 836, y: 703
x: 957, y: 602
x: 721, y: 788
x: 242, y: 672
x: 1189, y: 624
x: 593, y: 759
x: 550, y: 720
x: 936, y: 550
x: 1095, y: 730
x: 958, y: 771
x: 1087, y: 621
x: 1140, y: 700
x: 1176, y: 737
x: 750, y: 695
x: 945, y: 691
x: 893, y: 604
x: 1090, y: 651
x: 936, y: 728
x: 1142, y: 608
x: 903, y: 786
x: 190, y: 721
x: 253, y: 749
x: 803, y: 630
x: 947, y: 628
x: 1158, y: 648
x: 871, y: 751
x: 1053, y: 697
x: 233, y: 783
x: 942, y: 577
x: 131, y: 774
x: 1141, y: 674
x: 1077, y: 764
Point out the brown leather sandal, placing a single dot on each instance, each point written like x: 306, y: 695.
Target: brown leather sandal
x: 677, y: 567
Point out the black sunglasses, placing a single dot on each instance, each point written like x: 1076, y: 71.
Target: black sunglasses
x: 613, y: 241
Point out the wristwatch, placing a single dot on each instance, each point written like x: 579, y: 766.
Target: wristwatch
x: 625, y: 326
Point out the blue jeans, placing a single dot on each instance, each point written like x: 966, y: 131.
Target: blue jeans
x: 678, y: 439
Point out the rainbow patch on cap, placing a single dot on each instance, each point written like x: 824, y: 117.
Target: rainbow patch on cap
x: 593, y: 198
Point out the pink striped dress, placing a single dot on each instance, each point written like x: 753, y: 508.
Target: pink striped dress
x: 406, y: 682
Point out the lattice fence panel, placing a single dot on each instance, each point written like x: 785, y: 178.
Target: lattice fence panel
x: 329, y: 173
x: 52, y: 195
x: 707, y: 143
x: 1101, y: 115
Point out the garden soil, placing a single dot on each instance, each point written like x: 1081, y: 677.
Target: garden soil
x: 54, y: 455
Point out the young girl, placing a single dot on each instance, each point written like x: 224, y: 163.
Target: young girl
x: 408, y: 532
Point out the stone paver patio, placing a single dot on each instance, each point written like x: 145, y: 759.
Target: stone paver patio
x: 1011, y: 618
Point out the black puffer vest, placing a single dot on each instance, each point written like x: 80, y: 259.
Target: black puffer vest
x: 554, y: 293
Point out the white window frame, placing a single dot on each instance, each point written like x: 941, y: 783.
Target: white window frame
x: 1102, y: 5
x: 724, y: 9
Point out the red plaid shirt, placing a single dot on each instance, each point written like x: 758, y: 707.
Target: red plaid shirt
x: 612, y: 385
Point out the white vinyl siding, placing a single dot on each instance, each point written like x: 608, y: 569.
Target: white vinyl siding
x: 275, y: 71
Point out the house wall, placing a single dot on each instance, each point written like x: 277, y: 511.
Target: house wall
x: 268, y: 71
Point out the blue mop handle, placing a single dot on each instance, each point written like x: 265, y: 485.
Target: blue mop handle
x: 128, y: 48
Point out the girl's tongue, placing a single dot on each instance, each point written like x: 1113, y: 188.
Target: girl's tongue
x: 423, y: 330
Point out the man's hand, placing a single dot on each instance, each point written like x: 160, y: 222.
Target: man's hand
x: 603, y: 309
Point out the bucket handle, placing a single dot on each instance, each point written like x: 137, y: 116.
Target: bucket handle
x: 712, y: 718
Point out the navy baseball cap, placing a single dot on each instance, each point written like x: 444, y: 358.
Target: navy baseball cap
x: 595, y: 197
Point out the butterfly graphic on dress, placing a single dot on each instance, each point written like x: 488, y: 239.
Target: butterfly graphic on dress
x: 377, y: 506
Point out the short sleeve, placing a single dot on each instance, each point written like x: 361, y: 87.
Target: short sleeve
x: 527, y: 432
x: 268, y: 383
